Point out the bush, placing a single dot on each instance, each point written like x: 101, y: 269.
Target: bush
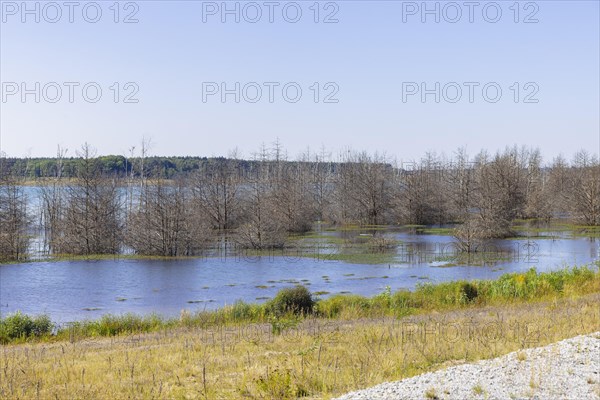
x: 296, y: 300
x: 23, y: 326
x: 468, y: 292
x: 382, y: 302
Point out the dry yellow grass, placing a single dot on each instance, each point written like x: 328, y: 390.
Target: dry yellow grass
x: 318, y: 359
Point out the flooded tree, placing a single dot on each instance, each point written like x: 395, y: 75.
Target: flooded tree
x: 469, y: 235
x: 459, y: 181
x: 537, y: 193
x: 558, y: 187
x: 364, y: 189
x: 14, y: 220
x: 500, y: 190
x: 422, y: 196
x: 165, y: 222
x: 584, y: 193
x: 52, y: 193
x: 92, y: 218
x: 321, y: 175
x: 290, y: 198
x: 259, y: 228
x: 216, y: 191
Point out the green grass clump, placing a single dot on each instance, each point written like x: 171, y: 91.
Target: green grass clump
x: 335, y: 305
x: 113, y: 325
x: 241, y: 311
x: 279, y: 384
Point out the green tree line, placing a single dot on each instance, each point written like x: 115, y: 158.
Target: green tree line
x: 110, y: 165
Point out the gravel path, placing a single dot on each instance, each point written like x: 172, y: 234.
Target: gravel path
x: 569, y: 369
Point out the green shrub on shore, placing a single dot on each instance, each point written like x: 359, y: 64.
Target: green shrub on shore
x: 297, y: 300
x: 18, y: 327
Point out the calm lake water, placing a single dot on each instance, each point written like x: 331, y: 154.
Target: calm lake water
x: 74, y: 290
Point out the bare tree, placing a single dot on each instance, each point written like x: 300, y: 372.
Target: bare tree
x: 537, y: 203
x: 584, y: 194
x: 422, y: 194
x: 558, y: 187
x: 364, y: 189
x: 343, y: 210
x: 259, y: 229
x: 165, y: 222
x: 14, y: 220
x: 459, y: 178
x: 92, y: 222
x: 216, y: 191
x: 52, y: 194
x: 320, y: 183
x: 500, y: 190
x: 289, y: 196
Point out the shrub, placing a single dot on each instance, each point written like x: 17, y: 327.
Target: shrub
x: 468, y: 292
x: 296, y: 300
x: 382, y: 302
x: 19, y: 325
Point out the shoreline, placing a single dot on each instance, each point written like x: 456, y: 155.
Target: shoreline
x: 509, y: 288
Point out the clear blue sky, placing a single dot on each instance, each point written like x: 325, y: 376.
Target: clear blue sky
x: 368, y: 54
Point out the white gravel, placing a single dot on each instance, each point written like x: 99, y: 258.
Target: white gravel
x: 569, y: 369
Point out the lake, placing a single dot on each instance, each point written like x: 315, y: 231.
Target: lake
x: 75, y: 290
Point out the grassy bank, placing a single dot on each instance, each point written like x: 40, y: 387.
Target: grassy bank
x: 316, y: 358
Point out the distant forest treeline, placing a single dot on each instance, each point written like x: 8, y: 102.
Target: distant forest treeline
x: 119, y: 166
